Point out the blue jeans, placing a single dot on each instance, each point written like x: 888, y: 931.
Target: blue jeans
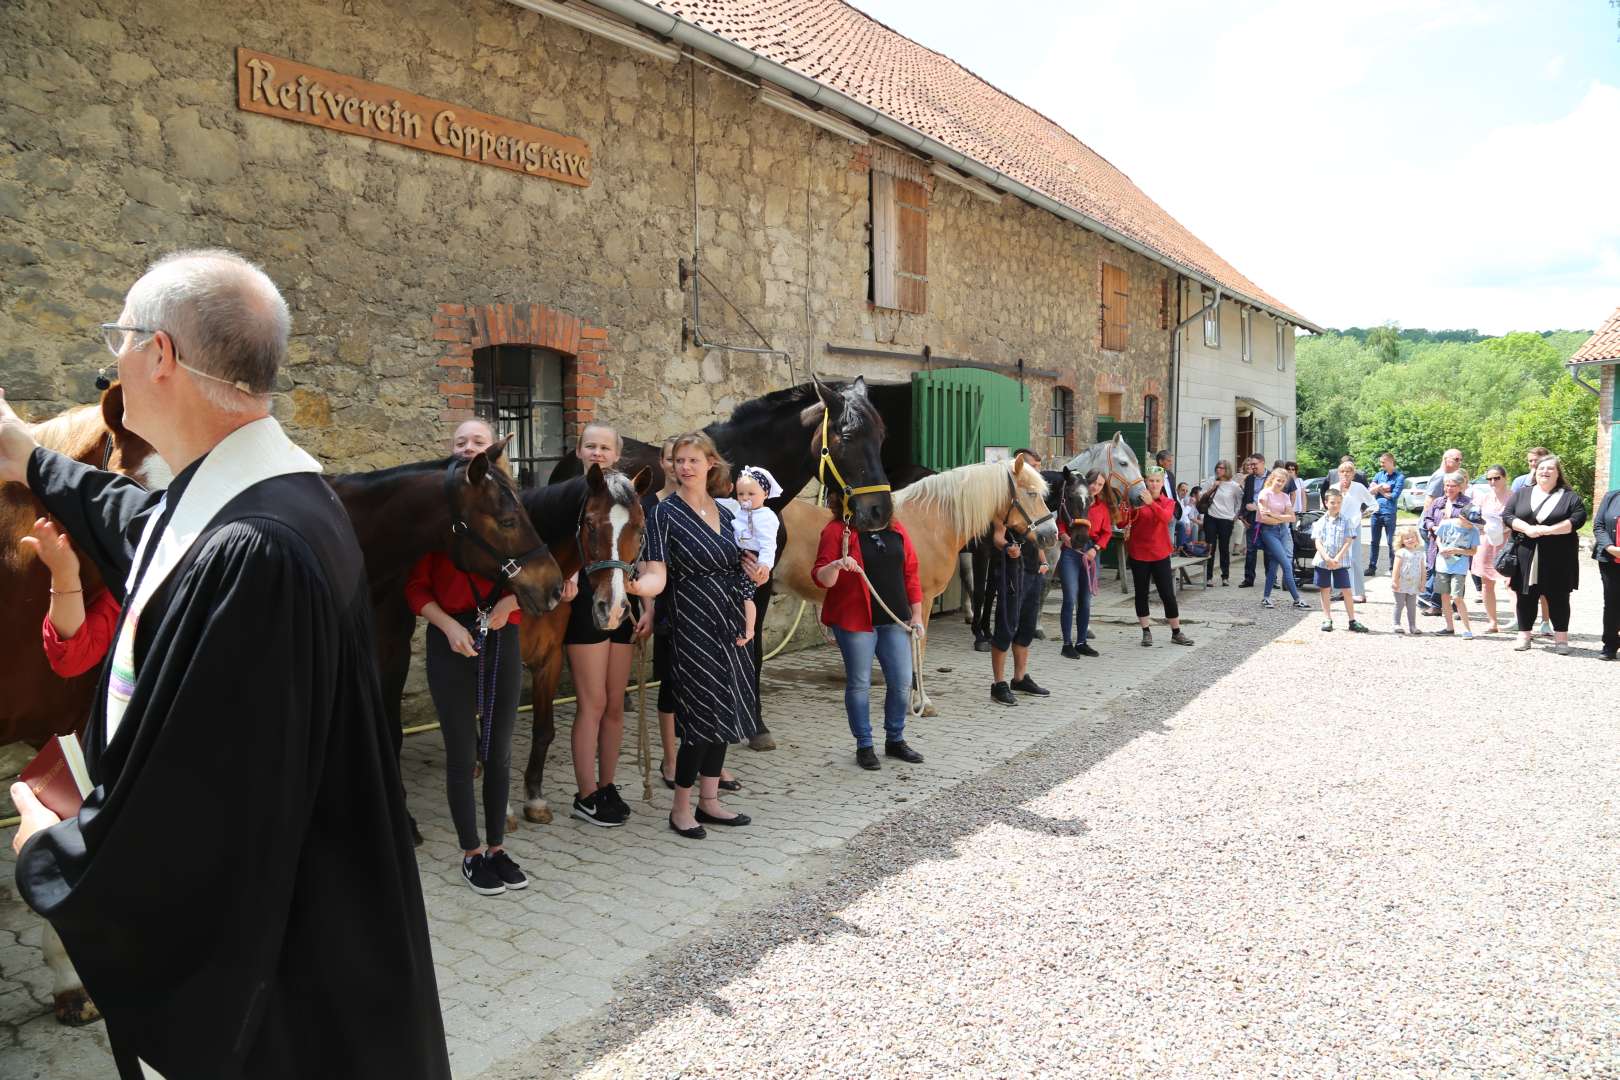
x: 1274, y: 541
x: 1076, y: 596
x: 1384, y: 526
x: 891, y: 644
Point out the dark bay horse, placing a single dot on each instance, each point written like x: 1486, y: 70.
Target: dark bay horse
x: 594, y: 522
x: 402, y: 513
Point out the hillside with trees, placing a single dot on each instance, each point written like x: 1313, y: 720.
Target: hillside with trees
x: 1417, y: 392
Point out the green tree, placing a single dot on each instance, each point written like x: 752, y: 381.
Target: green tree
x: 1564, y: 420
x: 1417, y: 433
x: 1385, y: 343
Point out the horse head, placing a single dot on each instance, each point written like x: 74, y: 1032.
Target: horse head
x: 1067, y: 494
x: 492, y: 537
x: 1028, y: 499
x: 853, y: 453
x: 609, y: 539
x: 1117, y: 462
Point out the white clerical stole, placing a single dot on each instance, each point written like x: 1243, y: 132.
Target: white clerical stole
x: 252, y: 453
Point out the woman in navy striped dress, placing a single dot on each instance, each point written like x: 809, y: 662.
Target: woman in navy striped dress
x: 708, y: 600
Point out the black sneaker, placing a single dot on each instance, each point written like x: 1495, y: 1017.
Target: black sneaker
x: 1357, y: 628
x: 867, y: 758
x: 1147, y: 638
x: 981, y: 644
x: 506, y: 870
x: 1371, y: 571
x: 1087, y: 650
x: 480, y: 876
x: 1245, y: 584
x: 903, y: 752
x: 1002, y: 693
x: 1027, y: 685
x: 1300, y: 605
x: 608, y: 795
x: 598, y: 811
x: 1070, y: 652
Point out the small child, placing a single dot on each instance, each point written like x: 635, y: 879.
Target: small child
x: 1333, y: 537
x: 1456, y: 539
x: 1407, y: 582
x: 76, y: 638
x: 753, y: 526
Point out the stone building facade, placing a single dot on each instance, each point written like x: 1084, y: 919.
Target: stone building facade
x: 400, y: 266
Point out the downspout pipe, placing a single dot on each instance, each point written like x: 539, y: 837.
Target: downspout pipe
x: 1575, y: 373
x: 1175, y: 367
x: 665, y: 25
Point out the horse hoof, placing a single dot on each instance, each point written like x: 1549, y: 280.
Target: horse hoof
x: 511, y: 822
x: 762, y: 741
x: 537, y: 811
x: 75, y: 1009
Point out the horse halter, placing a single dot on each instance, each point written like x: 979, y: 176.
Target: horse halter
x: 1031, y: 524
x: 829, y: 465
x: 507, y: 566
x: 629, y: 568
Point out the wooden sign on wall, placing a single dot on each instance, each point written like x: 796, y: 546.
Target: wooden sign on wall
x: 276, y: 86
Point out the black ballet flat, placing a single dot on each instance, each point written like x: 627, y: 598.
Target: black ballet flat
x: 731, y: 785
x: 710, y: 819
x: 696, y: 832
x: 667, y: 781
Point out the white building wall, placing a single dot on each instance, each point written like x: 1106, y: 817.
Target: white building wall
x: 1212, y: 381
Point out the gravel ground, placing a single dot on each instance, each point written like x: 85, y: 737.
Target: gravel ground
x: 1314, y: 866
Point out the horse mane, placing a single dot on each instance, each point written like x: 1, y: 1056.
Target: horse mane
x: 74, y: 433
x: 969, y: 495
x: 768, y: 408
x: 554, y: 508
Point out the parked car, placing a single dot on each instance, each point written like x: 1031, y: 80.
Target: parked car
x: 1412, y: 495
x: 1313, y: 493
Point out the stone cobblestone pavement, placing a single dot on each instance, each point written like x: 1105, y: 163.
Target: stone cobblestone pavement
x: 635, y: 953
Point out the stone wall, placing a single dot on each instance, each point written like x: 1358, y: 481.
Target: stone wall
x: 124, y: 141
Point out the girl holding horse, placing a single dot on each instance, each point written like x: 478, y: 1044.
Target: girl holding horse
x: 690, y: 544
x: 599, y: 661
x: 465, y: 682
x: 1084, y: 540
x: 1148, y: 545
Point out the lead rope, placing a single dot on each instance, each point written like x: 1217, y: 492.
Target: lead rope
x: 489, y: 661
x: 919, y: 700
x: 643, y: 745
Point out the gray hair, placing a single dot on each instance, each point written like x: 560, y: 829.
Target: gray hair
x: 1458, y: 477
x: 227, y: 318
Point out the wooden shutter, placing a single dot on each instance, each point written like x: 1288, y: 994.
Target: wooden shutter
x: 884, y: 241
x: 1115, y: 308
x: 911, y: 249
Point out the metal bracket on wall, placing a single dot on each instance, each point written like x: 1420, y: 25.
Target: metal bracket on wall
x: 692, y: 329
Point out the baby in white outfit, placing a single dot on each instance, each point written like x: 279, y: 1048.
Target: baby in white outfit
x: 752, y: 525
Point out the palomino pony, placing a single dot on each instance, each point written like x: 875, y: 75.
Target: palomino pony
x: 37, y: 702
x: 1067, y: 498
x: 941, y: 513
x: 604, y: 512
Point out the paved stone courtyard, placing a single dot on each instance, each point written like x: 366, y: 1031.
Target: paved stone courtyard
x: 536, y: 980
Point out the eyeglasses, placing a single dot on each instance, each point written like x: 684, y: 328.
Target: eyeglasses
x: 116, y: 336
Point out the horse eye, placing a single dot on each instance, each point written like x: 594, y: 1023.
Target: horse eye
x: 509, y: 523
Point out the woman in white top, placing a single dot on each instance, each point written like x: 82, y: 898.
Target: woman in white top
x: 1225, y: 497
x: 1357, y: 502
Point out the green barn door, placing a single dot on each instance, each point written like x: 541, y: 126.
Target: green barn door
x: 956, y: 413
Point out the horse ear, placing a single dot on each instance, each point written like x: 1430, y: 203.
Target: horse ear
x: 644, y: 480
x: 1018, y: 463
x: 497, y: 449
x: 811, y: 415
x: 478, y: 467
x: 112, y: 409
x: 1068, y: 474
x: 594, y: 478
x: 858, y: 387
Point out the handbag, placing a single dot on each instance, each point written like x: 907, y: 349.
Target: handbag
x: 1507, y: 560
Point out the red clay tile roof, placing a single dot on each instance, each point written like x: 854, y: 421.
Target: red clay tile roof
x: 1603, y: 345
x: 836, y: 45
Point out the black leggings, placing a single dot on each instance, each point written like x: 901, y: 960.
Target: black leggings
x: 1528, y: 607
x: 1158, y: 572
x: 1219, y: 538
x: 452, y: 680
x: 698, y: 759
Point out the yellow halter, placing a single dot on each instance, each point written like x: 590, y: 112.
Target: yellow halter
x: 828, y: 465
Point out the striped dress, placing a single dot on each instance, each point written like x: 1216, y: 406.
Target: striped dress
x: 703, y: 599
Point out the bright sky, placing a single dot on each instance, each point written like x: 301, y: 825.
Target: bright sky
x: 1441, y: 163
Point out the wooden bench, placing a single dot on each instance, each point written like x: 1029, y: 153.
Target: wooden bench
x: 1184, y: 567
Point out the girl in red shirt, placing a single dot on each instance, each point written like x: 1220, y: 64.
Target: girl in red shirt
x: 76, y: 637
x: 863, y: 629
x: 1147, y: 542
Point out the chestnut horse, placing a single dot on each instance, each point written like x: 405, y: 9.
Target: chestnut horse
x: 37, y: 702
x: 941, y: 513
x: 604, y: 509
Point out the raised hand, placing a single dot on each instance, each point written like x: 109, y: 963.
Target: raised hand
x: 16, y: 444
x: 54, y: 549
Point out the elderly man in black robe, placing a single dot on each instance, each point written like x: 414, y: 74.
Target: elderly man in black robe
x: 239, y: 890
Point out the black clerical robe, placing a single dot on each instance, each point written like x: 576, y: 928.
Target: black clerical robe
x: 239, y: 891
